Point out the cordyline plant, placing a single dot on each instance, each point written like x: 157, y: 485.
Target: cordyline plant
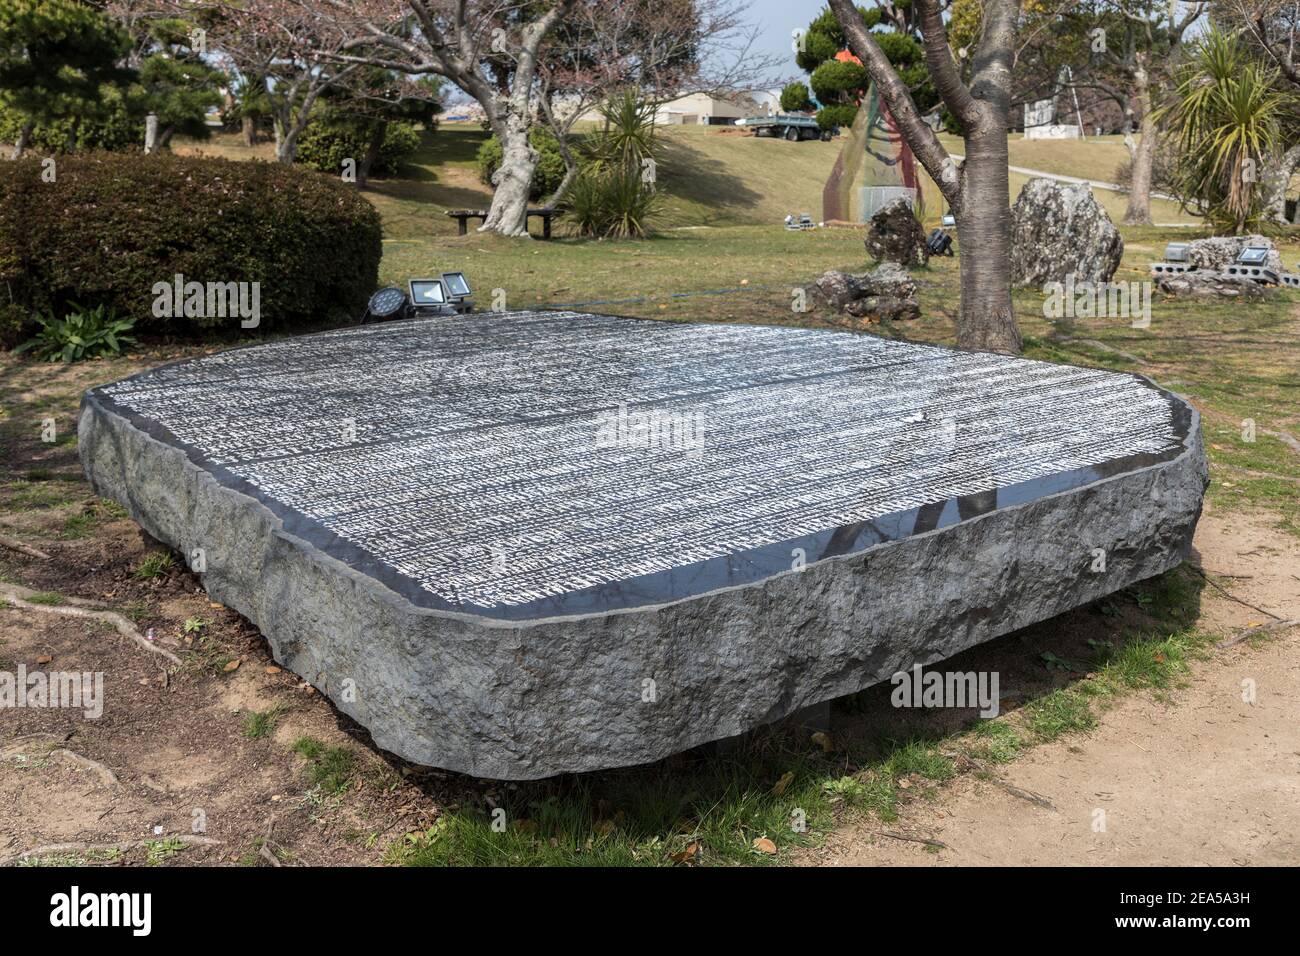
x: 1226, y: 111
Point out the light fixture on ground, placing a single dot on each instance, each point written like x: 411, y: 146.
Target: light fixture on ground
x: 458, y: 291
x: 1252, y: 263
x: 429, y: 297
x: 387, y: 303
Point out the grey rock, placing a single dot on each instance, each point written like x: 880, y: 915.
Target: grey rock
x: 884, y: 308
x: 838, y: 292
x: 1059, y: 230
x: 1209, y: 284
x: 1214, y: 253
x: 888, y: 279
x: 560, y: 692
x: 895, y: 235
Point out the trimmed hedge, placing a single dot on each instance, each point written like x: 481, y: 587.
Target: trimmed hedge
x: 113, y: 225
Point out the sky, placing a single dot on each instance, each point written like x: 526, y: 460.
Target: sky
x: 777, y: 18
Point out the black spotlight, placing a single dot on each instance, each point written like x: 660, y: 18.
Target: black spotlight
x: 387, y: 303
x: 939, y: 243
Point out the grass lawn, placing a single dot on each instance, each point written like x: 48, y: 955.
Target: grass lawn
x: 722, y: 255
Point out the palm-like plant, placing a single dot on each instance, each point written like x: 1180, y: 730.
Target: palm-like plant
x: 1225, y: 113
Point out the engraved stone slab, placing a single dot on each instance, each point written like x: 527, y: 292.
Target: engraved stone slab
x: 527, y: 543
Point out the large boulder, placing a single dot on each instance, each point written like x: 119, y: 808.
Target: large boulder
x: 1218, y: 251
x: 1059, y: 230
x: 896, y: 235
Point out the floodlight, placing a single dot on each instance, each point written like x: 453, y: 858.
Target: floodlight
x: 456, y: 284
x: 1253, y: 256
x: 1176, y: 252
x: 427, y: 292
x: 387, y: 302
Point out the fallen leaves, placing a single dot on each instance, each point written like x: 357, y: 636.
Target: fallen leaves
x: 765, y: 846
x: 783, y: 784
x: 688, y: 855
x: 232, y: 666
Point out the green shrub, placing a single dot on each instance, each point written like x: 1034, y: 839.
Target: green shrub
x: 836, y: 79
x: 111, y: 128
x: 83, y: 334
x: 841, y: 116
x: 113, y: 225
x: 550, y: 164
x: 794, y: 97
x: 611, y: 202
x: 324, y: 146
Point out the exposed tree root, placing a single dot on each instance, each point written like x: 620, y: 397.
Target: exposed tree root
x: 19, y: 595
x: 123, y: 847
x: 910, y: 839
x: 21, y: 548
x: 1250, y: 632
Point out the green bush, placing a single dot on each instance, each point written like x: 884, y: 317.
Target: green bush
x: 611, y: 202
x: 550, y: 164
x: 841, y: 116
x: 112, y: 127
x: 835, y: 80
x: 324, y: 146
x: 85, y: 333
x: 794, y: 97
x: 111, y: 226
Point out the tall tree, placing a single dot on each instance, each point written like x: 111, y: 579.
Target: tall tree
x: 1147, y: 60
x: 285, y: 45
x: 55, y: 55
x: 977, y: 190
x: 456, y: 39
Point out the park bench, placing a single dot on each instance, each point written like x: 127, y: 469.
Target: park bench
x: 462, y: 217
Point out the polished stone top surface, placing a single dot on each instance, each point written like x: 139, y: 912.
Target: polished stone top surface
x: 532, y: 464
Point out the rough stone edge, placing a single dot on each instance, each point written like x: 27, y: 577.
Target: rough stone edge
x: 526, y: 700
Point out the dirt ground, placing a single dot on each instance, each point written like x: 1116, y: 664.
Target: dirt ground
x: 1200, y: 778
x: 168, y: 773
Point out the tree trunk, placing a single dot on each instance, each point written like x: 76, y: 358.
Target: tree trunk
x: 987, y: 320
x: 24, y: 137
x: 1277, y: 180
x: 286, y: 142
x: 508, y: 213
x: 1143, y: 157
x: 368, y: 161
x: 249, y: 129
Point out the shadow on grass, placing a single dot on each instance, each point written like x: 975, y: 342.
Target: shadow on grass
x: 706, y: 807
